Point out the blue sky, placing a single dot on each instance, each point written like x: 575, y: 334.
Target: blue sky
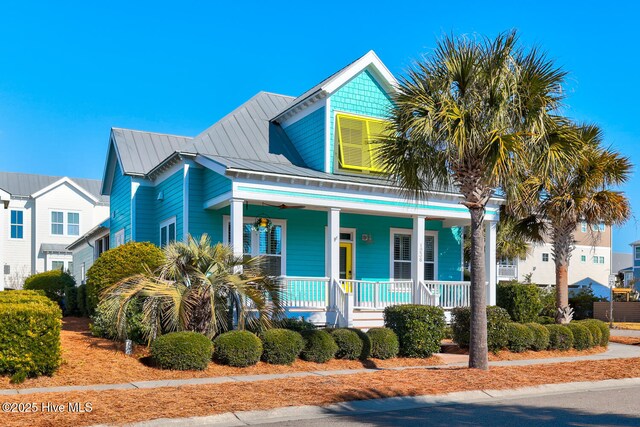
x: 71, y: 70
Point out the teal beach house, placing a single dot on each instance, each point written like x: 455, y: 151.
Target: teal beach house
x: 294, y: 179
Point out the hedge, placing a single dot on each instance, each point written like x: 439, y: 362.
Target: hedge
x: 604, y: 329
x: 582, y: 338
x: 53, y: 283
x: 594, y: 329
x: 297, y: 325
x: 319, y: 346
x: 366, y: 343
x: 182, y: 351
x: 281, y: 346
x: 560, y: 337
x: 540, y: 336
x: 104, y: 326
x: 349, y: 343
x: 497, y: 321
x: 419, y: 328
x: 30, y: 335
x: 120, y: 263
x: 520, y: 337
x: 83, y: 310
x: 237, y: 348
x: 384, y: 343
x: 522, y: 301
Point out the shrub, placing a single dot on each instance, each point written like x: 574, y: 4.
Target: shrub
x: 182, y: 351
x: 319, y: 346
x: 497, y: 321
x: 596, y: 332
x: 82, y: 301
x: 548, y: 299
x: 521, y: 301
x: 53, y: 283
x: 237, y: 348
x: 348, y: 342
x: 384, y: 343
x: 582, y: 338
x: 366, y: 343
x: 70, y: 300
x: 546, y: 320
x: 419, y: 328
x: 281, y: 346
x: 520, y: 337
x: 297, y: 325
x: 104, y: 326
x: 582, y: 303
x: 540, y: 336
x: 560, y: 337
x: 604, y: 330
x: 120, y: 263
x: 30, y: 335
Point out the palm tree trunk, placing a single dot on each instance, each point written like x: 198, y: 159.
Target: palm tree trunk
x: 478, y: 356
x: 562, y: 247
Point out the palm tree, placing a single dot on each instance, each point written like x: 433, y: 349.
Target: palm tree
x: 577, y: 191
x: 198, y: 288
x: 472, y: 114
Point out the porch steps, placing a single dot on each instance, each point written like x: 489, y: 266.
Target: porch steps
x: 366, y: 319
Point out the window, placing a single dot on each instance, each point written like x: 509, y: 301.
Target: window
x: 57, y: 265
x: 402, y: 256
x: 17, y: 224
x: 594, y: 227
x: 268, y: 243
x: 119, y: 238
x: 583, y: 258
x: 356, y: 138
x: 70, y: 267
x: 73, y: 224
x: 101, y: 245
x: 57, y: 223
x: 601, y: 260
x: 545, y: 257
x: 83, y: 273
x: 429, y: 257
x: 583, y: 226
x: 601, y: 226
x: 637, y: 251
x: 598, y: 259
x: 167, y: 231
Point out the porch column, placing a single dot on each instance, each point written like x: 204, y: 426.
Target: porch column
x: 417, y: 256
x: 490, y: 260
x: 236, y: 226
x: 333, y: 243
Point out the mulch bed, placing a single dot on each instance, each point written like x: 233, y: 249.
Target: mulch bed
x: 120, y: 407
x: 449, y: 347
x: 625, y: 340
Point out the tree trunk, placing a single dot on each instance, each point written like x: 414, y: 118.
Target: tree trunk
x: 562, y: 247
x: 478, y: 356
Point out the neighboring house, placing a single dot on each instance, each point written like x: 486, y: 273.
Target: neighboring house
x: 39, y: 217
x: 590, y: 263
x: 87, y: 249
x: 623, y: 264
x: 635, y: 276
x: 295, y: 180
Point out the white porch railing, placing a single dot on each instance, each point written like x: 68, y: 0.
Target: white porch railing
x: 379, y: 294
x: 344, y: 305
x: 426, y: 295
x: 508, y: 271
x: 305, y: 292
x: 449, y: 295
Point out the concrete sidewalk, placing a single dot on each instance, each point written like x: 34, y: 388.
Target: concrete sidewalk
x: 625, y: 333
x: 615, y: 351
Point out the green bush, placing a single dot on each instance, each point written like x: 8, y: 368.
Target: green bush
x: 560, y: 337
x: 297, y: 325
x: 30, y: 335
x: 120, y: 263
x: 237, y: 348
x: 419, y: 328
x: 384, y: 343
x: 349, y: 343
x: 52, y: 282
x: 540, y: 336
x: 182, y: 351
x: 104, y: 326
x: 604, y: 330
x: 497, y: 321
x: 548, y: 299
x: 281, y: 346
x: 521, y: 301
x: 70, y: 300
x: 582, y: 338
x: 582, y: 303
x: 366, y: 343
x: 319, y: 346
x: 82, y: 301
x: 596, y: 332
x: 520, y: 337
x: 546, y: 320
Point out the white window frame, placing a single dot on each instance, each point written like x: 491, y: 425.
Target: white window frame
x: 255, y: 239
x: 435, y: 253
x: 436, y: 258
x: 165, y: 224
x: 65, y: 260
x: 543, y: 256
x: 83, y: 273
x: 636, y: 252
x: 118, y: 238
x: 583, y: 226
x: 68, y: 224
x: 65, y: 222
x: 602, y: 226
x: 11, y: 224
x: 583, y: 259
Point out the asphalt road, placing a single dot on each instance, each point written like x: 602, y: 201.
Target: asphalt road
x: 598, y: 408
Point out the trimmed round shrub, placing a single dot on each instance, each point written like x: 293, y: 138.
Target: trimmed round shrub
x: 281, y: 346
x: 582, y: 338
x: 384, y: 343
x: 540, y: 336
x: 182, y: 351
x: 120, y: 263
x: 520, y: 337
x: 604, y: 331
x: 237, y: 348
x: 596, y: 332
x: 546, y: 320
x: 419, y: 328
x: 53, y: 283
x: 560, y: 337
x: 297, y: 325
x: 521, y: 301
x: 497, y: 321
x: 366, y: 343
x: 349, y: 343
x: 319, y: 346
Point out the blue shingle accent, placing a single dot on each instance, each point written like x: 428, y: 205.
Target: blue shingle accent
x: 120, y: 205
x: 307, y: 135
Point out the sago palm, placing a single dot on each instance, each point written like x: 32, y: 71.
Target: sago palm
x: 578, y: 191
x: 198, y: 288
x: 471, y: 114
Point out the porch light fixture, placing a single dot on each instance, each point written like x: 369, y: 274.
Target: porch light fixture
x: 262, y: 223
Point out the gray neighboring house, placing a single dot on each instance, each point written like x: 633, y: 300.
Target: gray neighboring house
x: 87, y: 249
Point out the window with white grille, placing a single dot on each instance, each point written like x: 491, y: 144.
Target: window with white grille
x: 265, y: 242
x: 429, y: 257
x: 402, y: 256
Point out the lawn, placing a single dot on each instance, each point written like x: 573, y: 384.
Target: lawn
x: 634, y: 326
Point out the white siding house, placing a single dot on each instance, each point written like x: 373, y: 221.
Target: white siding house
x: 87, y: 249
x: 41, y: 216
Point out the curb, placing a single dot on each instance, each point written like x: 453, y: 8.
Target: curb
x: 297, y: 413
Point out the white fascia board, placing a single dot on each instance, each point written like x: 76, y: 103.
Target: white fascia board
x: 218, y: 201
x: 169, y: 172
x: 60, y: 182
x: 304, y: 113
x: 5, y: 197
x: 109, y: 170
x: 206, y: 162
x: 371, y: 61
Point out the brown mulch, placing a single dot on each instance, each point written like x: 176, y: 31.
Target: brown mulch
x: 120, y: 407
x: 625, y: 340
x: 90, y: 360
x: 449, y: 347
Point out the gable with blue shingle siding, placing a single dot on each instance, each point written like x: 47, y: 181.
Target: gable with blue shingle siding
x: 120, y: 205
x: 307, y: 135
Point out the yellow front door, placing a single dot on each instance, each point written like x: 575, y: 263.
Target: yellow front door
x: 346, y: 263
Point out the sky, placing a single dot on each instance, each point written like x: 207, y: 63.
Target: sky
x: 69, y: 71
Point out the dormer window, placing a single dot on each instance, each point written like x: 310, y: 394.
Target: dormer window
x: 637, y: 251
x: 357, y: 142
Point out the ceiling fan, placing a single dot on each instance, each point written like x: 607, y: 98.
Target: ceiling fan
x: 283, y: 206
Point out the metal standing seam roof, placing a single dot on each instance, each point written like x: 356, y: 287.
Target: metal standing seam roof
x: 25, y: 184
x: 54, y: 247
x: 104, y: 225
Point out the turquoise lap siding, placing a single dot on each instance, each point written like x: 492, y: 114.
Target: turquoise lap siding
x: 146, y: 222
x: 120, y: 205
x: 307, y: 135
x: 362, y: 95
x: 214, y: 184
x: 203, y: 220
x: 171, y: 205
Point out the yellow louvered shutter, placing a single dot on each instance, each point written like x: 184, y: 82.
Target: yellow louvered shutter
x: 356, y: 142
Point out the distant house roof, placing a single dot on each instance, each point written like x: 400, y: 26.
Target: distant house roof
x: 54, y: 248
x: 621, y: 261
x: 103, y: 226
x: 24, y: 184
